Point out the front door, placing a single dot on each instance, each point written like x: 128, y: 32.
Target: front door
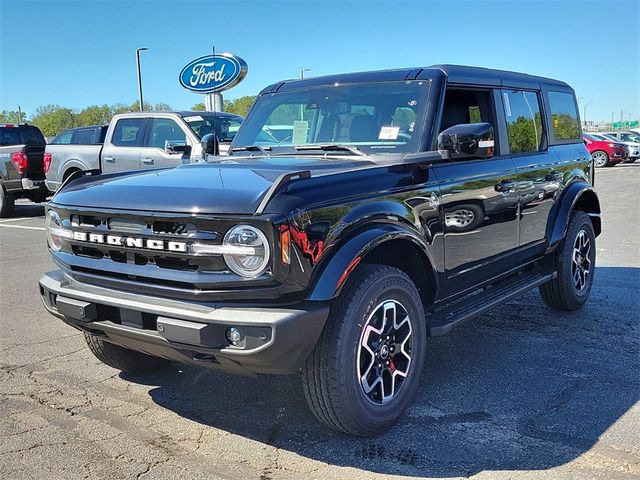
x: 154, y: 153
x: 479, y: 199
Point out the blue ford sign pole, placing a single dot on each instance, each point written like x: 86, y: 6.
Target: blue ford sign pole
x: 213, y: 73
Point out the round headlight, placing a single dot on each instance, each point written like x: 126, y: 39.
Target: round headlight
x: 55, y: 231
x: 252, y: 255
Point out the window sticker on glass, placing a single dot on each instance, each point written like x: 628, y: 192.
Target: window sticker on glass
x: 194, y: 118
x: 388, y: 133
x: 507, y: 105
x: 300, y: 129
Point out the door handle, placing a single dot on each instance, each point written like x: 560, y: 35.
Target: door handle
x: 147, y: 160
x: 505, y: 186
x: 110, y: 159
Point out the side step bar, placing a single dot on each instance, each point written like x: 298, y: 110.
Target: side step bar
x: 444, y: 319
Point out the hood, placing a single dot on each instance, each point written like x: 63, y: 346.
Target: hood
x: 220, y: 186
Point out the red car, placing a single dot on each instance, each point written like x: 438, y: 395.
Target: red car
x: 605, y: 153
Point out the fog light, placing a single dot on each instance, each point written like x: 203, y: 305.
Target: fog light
x: 234, y: 337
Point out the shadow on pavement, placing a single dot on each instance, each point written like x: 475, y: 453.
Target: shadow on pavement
x: 521, y: 388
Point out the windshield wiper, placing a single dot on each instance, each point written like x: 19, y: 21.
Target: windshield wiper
x: 329, y: 147
x: 251, y: 148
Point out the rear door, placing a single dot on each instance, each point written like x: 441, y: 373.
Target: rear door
x: 121, y: 152
x: 161, y: 132
x: 539, y: 174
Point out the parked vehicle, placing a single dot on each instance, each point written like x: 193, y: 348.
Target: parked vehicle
x: 135, y: 141
x: 61, y: 162
x: 604, y: 151
x: 335, y: 252
x: 630, y: 139
x: 21, y: 167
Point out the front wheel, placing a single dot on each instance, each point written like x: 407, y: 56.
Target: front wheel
x: 575, y: 265
x: 365, y: 369
x: 600, y: 159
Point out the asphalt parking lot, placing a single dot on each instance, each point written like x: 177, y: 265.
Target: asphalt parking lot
x: 522, y: 392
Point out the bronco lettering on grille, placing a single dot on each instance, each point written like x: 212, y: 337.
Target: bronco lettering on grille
x: 130, y: 242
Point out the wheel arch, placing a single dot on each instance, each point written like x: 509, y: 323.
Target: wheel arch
x: 384, y: 245
x: 577, y: 196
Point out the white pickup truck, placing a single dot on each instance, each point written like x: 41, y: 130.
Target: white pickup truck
x: 135, y: 141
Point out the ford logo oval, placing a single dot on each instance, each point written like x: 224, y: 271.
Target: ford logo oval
x: 213, y: 73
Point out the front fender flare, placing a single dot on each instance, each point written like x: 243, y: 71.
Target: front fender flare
x: 327, y: 282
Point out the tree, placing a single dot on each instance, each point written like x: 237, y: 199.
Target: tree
x: 162, y: 107
x: 198, y: 107
x: 12, y: 116
x: 240, y: 106
x: 52, y: 119
x: 94, y: 115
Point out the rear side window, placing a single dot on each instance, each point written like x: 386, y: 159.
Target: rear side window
x: 128, y: 132
x: 564, y: 116
x: 85, y: 136
x: 524, y: 121
x: 31, y: 136
x: 63, y: 139
x: 9, y: 136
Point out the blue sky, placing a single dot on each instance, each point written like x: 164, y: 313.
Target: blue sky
x: 78, y: 53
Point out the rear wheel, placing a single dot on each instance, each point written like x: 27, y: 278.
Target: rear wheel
x: 575, y: 264
x: 7, y: 203
x: 365, y: 369
x: 122, y: 358
x: 600, y: 159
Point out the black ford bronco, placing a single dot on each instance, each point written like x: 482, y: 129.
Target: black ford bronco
x: 356, y: 216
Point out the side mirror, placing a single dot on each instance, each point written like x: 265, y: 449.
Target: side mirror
x: 176, y: 146
x: 468, y: 140
x: 210, y: 144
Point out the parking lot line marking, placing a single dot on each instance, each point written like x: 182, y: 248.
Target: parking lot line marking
x: 22, y: 226
x: 15, y: 219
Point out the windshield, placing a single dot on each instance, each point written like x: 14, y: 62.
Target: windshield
x: 225, y: 127
x: 374, y: 117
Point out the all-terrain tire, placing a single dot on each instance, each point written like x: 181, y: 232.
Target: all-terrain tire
x: 7, y: 203
x: 562, y: 293
x: 331, y: 378
x: 122, y: 358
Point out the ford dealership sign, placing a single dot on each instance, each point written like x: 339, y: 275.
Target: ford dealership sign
x: 213, y: 73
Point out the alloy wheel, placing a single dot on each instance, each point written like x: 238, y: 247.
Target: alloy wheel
x: 599, y: 159
x: 580, y: 261
x: 384, y: 352
x: 459, y: 218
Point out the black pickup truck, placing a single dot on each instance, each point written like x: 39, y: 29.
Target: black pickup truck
x: 398, y: 205
x: 21, y: 165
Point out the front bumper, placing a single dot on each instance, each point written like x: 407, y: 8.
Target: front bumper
x: 274, y: 339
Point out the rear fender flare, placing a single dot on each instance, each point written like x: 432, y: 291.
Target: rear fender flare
x: 577, y: 196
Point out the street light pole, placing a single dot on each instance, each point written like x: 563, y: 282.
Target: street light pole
x: 138, y: 50
x: 584, y: 108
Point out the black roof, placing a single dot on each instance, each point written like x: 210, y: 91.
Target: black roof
x: 455, y: 74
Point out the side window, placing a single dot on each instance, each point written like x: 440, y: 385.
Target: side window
x: 128, y: 132
x: 524, y: 121
x: 86, y: 136
x: 163, y: 130
x: 9, y: 136
x: 63, y: 139
x: 226, y: 129
x: 467, y: 106
x: 564, y: 116
x: 32, y: 136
